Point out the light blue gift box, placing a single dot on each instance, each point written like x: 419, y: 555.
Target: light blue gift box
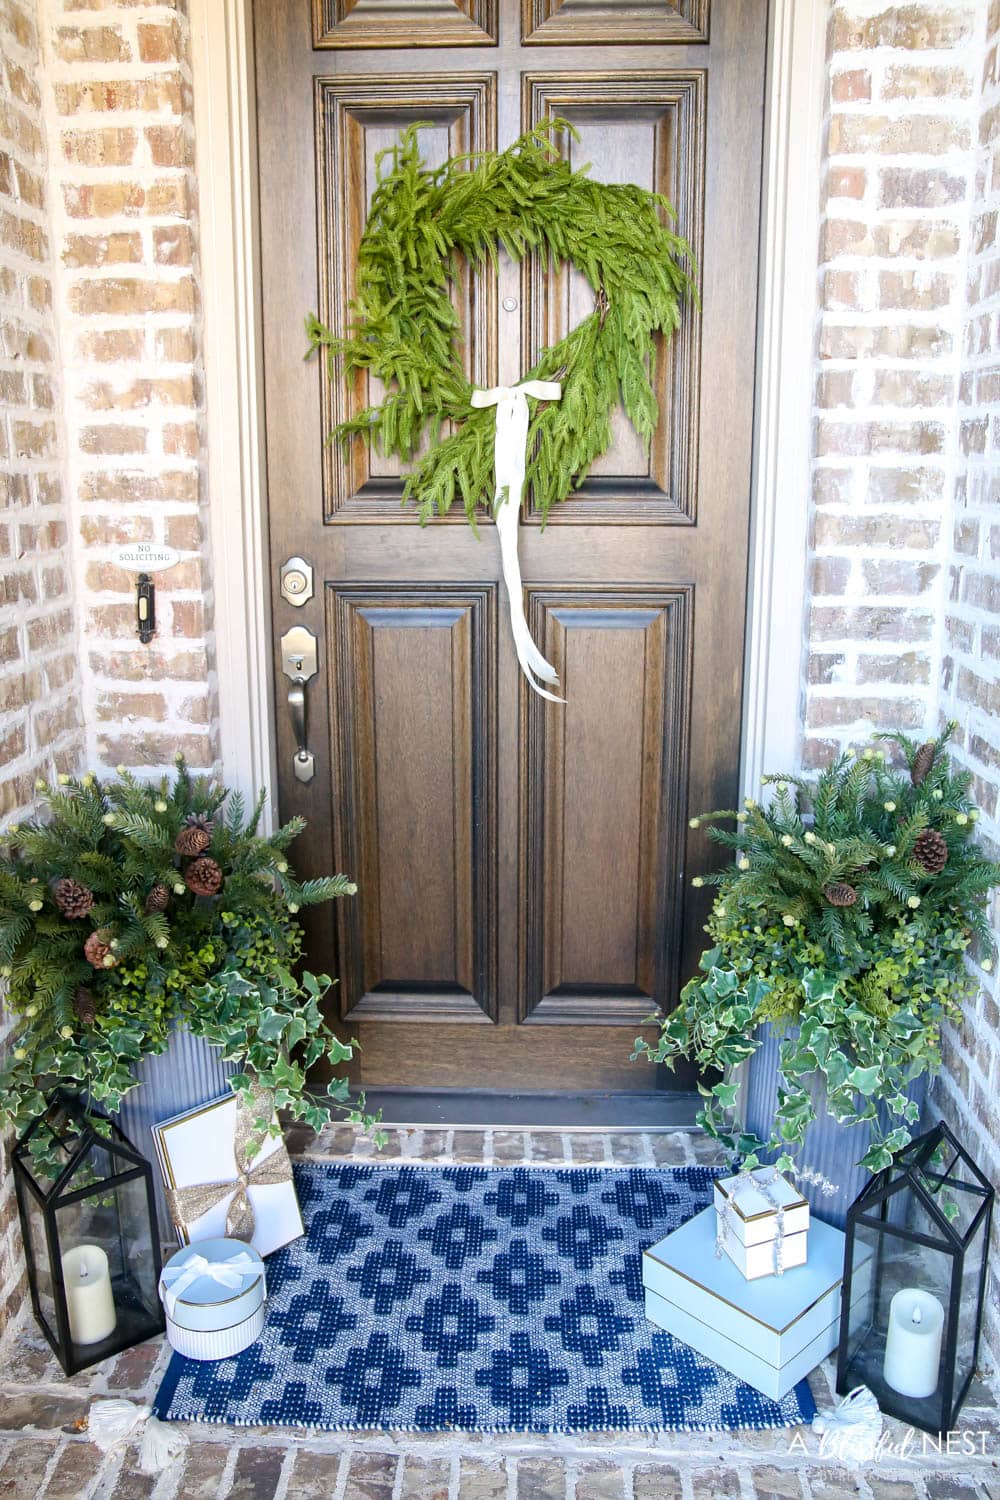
x: 213, y: 1294
x: 770, y: 1332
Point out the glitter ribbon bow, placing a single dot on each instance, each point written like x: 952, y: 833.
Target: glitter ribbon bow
x: 186, y: 1204
x: 509, y: 444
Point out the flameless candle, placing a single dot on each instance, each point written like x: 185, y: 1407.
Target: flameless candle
x: 89, y: 1298
x: 913, y: 1342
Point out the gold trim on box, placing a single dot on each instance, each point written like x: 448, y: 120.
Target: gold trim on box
x: 735, y: 1305
x: 754, y: 1353
x: 768, y: 1213
x: 222, y: 1302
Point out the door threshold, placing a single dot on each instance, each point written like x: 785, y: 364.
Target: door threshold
x: 485, y: 1109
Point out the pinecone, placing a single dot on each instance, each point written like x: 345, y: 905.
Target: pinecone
x: 200, y: 820
x: 930, y: 850
x: 203, y: 876
x: 839, y: 894
x: 922, y: 762
x: 192, y: 840
x: 73, y: 899
x: 158, y: 899
x: 97, y: 950
x: 85, y: 1006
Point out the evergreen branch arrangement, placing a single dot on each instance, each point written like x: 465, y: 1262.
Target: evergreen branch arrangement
x: 132, y: 906
x: 424, y: 225
x: 843, y: 919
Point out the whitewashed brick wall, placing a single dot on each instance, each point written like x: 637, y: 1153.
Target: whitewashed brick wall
x: 40, y: 710
x: 903, y: 87
x: 124, y: 225
x: 969, y: 1091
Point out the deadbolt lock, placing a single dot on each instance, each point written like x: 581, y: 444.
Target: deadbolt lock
x: 296, y: 581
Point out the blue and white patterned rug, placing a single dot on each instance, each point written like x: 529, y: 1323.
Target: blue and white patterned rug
x: 478, y: 1299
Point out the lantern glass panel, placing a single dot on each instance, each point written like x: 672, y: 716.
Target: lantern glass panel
x: 953, y: 1186
x: 863, y: 1315
x: 37, y: 1253
x: 113, y: 1219
x: 902, y: 1265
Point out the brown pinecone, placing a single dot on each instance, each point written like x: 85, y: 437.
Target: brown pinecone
x: 922, y: 762
x: 97, y: 950
x: 930, y: 850
x: 203, y: 876
x: 192, y: 841
x: 200, y: 820
x: 85, y: 1006
x: 158, y: 899
x: 839, y: 894
x: 72, y: 898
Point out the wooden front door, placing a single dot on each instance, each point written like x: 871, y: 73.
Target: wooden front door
x: 524, y: 899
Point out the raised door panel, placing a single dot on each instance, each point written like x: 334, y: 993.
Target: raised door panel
x: 356, y: 119
x: 649, y: 129
x: 404, y: 23
x: 413, y: 732
x: 602, y: 793
x: 613, y: 22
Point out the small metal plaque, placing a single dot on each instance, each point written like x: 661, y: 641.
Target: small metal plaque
x: 147, y: 557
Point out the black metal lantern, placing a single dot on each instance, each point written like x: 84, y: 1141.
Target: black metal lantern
x: 88, y: 1218
x: 914, y: 1280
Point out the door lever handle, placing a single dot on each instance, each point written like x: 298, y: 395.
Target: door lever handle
x: 298, y: 662
x: 304, y: 762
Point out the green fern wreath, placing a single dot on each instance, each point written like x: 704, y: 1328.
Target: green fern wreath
x: 422, y: 225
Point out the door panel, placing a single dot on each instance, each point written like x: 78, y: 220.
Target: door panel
x: 524, y: 894
x: 648, y: 129
x: 356, y: 118
x: 598, y: 932
x: 558, y: 23
x: 414, y: 726
x: 404, y: 23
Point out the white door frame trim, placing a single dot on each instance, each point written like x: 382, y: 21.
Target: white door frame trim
x: 222, y: 59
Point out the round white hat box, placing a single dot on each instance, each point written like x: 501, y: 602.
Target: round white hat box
x: 213, y: 1294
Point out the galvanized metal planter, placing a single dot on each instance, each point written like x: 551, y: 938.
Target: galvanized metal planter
x: 190, y: 1072
x: 830, y: 1148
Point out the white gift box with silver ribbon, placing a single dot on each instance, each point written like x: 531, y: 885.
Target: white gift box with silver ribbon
x: 762, y: 1222
x: 213, y: 1294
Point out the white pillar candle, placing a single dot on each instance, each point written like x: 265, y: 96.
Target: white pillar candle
x: 913, y: 1342
x: 89, y: 1299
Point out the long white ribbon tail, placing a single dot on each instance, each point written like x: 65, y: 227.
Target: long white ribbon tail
x: 509, y: 459
x: 115, y: 1422
x: 228, y: 1273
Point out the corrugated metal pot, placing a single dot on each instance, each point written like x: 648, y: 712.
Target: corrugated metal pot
x: 190, y: 1072
x: 829, y: 1147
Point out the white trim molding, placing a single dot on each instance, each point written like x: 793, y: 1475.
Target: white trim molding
x: 222, y: 44
x: 786, y: 336
x: 226, y: 133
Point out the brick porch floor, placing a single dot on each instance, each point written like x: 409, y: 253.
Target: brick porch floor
x: 41, y: 1453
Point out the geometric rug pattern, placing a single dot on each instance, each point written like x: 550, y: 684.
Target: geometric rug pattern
x: 477, y: 1299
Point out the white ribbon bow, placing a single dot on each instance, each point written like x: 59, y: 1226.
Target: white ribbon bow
x: 509, y: 459
x: 228, y: 1273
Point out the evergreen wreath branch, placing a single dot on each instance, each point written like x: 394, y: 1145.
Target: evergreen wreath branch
x: 424, y: 224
